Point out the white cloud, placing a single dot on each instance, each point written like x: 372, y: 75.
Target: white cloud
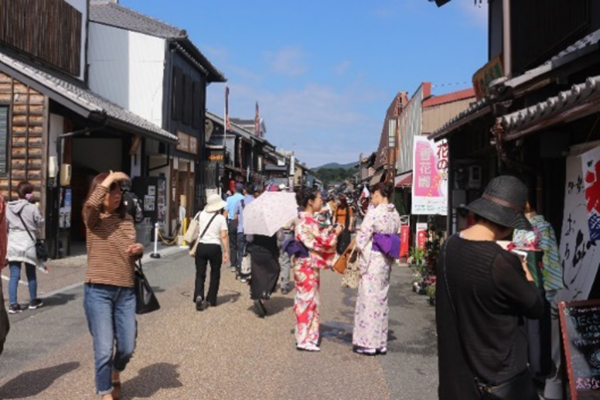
x: 342, y: 68
x: 289, y: 61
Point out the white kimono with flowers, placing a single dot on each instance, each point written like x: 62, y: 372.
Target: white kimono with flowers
x: 371, y: 315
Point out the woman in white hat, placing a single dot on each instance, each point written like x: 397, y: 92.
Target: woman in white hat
x: 212, y: 246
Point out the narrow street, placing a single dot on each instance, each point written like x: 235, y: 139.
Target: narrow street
x: 224, y: 352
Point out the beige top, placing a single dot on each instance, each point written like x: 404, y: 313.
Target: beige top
x: 108, y: 237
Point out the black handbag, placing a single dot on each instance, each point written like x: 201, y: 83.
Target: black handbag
x: 145, y: 299
x: 520, y: 387
x: 41, y: 253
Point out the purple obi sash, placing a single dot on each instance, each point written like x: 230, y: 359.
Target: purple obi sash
x: 295, y: 248
x: 388, y: 245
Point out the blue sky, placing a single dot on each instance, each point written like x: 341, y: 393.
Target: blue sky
x: 324, y: 72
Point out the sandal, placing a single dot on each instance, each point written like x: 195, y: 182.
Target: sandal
x: 116, y: 393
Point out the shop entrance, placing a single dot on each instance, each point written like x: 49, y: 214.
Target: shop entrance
x: 89, y: 157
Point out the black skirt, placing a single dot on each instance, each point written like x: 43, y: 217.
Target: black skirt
x: 265, y: 272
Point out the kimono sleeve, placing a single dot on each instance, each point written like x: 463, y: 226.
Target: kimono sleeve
x: 363, y: 237
x: 317, y: 239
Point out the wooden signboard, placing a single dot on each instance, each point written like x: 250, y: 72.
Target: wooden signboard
x: 580, y: 327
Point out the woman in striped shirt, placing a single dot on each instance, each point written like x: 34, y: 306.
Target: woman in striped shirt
x: 109, y: 298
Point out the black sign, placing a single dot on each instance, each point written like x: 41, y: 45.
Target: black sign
x: 580, y: 327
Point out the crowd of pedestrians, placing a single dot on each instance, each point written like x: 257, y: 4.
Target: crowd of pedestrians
x: 481, y: 285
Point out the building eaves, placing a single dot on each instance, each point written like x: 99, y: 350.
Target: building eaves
x: 580, y: 48
x: 235, y: 129
x: 530, y: 119
x: 83, y: 101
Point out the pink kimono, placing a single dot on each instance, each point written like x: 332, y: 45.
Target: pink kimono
x: 321, y: 244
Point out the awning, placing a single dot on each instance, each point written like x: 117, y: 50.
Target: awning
x: 404, y: 180
x: 582, y: 100
x: 376, y: 178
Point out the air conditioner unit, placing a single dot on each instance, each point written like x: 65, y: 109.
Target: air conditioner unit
x: 474, y: 177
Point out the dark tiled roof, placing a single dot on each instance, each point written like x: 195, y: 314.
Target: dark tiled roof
x: 80, y: 95
x: 579, y: 94
x: 571, y: 53
x: 109, y: 13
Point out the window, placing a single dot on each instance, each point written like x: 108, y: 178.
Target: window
x: 187, y: 100
x: 177, y: 95
x: 3, y: 140
x: 198, y: 106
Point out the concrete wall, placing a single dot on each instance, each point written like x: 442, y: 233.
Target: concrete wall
x: 128, y: 69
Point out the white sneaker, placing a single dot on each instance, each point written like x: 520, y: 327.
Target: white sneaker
x: 308, y: 347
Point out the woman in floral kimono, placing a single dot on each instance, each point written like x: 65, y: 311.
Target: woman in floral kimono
x: 318, y: 253
x: 371, y: 315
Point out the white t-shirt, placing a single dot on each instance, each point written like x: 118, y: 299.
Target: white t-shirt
x: 213, y: 234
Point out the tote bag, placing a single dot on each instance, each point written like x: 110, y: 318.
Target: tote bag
x: 145, y: 299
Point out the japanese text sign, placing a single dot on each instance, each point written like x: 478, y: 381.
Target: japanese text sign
x: 430, y: 177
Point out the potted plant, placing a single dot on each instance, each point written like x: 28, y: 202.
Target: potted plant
x: 431, y: 294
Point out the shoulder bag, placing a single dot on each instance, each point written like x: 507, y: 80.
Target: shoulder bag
x: 192, y: 231
x: 519, y: 387
x: 351, y: 277
x: 40, y: 249
x: 341, y: 263
x: 193, y: 250
x: 145, y: 299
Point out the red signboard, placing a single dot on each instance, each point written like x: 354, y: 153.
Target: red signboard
x: 404, y: 240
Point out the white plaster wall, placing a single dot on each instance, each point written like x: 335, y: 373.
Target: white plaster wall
x: 128, y: 69
x: 56, y: 128
x: 82, y: 7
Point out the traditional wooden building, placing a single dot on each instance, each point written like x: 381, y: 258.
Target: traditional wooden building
x: 49, y: 118
x: 154, y: 70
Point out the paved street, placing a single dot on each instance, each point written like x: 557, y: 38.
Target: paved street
x: 222, y: 353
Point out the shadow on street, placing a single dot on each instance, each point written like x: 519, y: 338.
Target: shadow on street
x: 32, y: 383
x: 151, y: 379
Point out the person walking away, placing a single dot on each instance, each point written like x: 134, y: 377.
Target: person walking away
x: 286, y: 233
x: 344, y: 217
x: 242, y: 246
x: 212, y: 247
x: 24, y: 221
x: 232, y: 224
x: 370, y: 333
x: 483, y: 294
x: 109, y: 296
x: 319, y: 242
x: 265, y: 270
x: 4, y: 323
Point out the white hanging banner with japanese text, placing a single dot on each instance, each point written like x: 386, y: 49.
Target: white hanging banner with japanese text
x: 579, y: 254
x: 430, y: 177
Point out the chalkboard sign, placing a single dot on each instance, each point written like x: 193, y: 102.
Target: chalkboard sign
x: 580, y: 327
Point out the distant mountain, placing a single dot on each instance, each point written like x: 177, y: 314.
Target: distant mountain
x: 336, y: 166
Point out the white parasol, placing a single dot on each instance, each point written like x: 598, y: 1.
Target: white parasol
x: 269, y: 213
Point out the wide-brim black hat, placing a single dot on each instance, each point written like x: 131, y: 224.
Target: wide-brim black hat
x: 503, y: 203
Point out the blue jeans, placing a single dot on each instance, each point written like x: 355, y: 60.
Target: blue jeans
x: 110, y: 312
x: 15, y: 275
x: 241, y: 249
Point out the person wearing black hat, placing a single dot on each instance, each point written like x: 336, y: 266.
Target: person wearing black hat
x: 483, y: 295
